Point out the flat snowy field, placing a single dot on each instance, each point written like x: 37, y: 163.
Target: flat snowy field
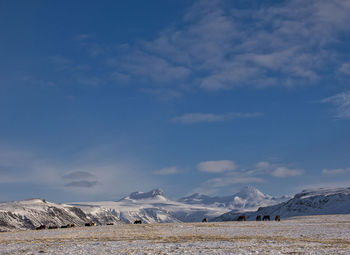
x: 303, y: 235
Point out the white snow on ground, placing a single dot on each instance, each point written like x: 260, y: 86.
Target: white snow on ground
x: 328, y: 234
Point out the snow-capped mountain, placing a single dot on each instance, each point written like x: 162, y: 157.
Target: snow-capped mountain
x: 307, y: 202
x: 28, y: 214
x: 156, y: 194
x: 151, y: 207
x: 248, y: 198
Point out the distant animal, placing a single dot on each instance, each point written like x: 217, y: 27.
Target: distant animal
x: 52, y: 227
x: 40, y: 227
x: 278, y: 218
x: 69, y: 225
x: 205, y: 220
x: 266, y: 217
x: 258, y: 218
x: 242, y: 218
x: 111, y: 223
x: 137, y: 222
x: 90, y: 224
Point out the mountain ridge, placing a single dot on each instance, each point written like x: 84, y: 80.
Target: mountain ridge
x: 247, y: 198
x: 308, y: 202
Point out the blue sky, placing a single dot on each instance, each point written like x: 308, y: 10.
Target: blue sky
x: 98, y: 100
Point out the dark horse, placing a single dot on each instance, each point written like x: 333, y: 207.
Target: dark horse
x: 266, y: 217
x: 242, y: 218
x: 40, y: 227
x: 258, y: 218
x: 278, y: 218
x: 137, y: 222
x: 205, y: 220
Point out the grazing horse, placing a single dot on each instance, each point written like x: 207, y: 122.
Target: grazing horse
x: 40, y: 227
x: 137, y: 222
x: 89, y: 224
x: 242, y: 218
x: 278, y: 218
x: 205, y: 220
x: 258, y: 218
x: 52, y: 227
x: 266, y: 217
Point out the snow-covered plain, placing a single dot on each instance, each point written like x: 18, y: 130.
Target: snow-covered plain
x: 322, y: 234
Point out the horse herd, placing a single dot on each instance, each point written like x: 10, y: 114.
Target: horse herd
x: 258, y: 218
x: 89, y: 224
x: 69, y: 225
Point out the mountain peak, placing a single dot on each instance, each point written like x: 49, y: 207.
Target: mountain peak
x: 153, y: 194
x: 250, y: 191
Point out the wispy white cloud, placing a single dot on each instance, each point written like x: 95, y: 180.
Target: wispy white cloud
x: 336, y: 171
x: 163, y: 94
x: 167, y: 171
x: 345, y: 68
x: 214, y: 185
x: 211, y: 48
x: 82, y: 37
x: 190, y: 118
x: 273, y: 169
x: 283, y: 172
x: 342, y: 104
x: 219, y: 166
x: 262, y: 164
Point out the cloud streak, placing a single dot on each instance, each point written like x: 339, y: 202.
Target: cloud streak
x: 336, y: 171
x: 82, y: 184
x: 216, y: 166
x: 190, y: 118
x: 167, y: 171
x: 283, y: 172
x: 342, y: 103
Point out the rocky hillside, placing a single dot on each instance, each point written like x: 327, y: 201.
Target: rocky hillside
x: 29, y: 214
